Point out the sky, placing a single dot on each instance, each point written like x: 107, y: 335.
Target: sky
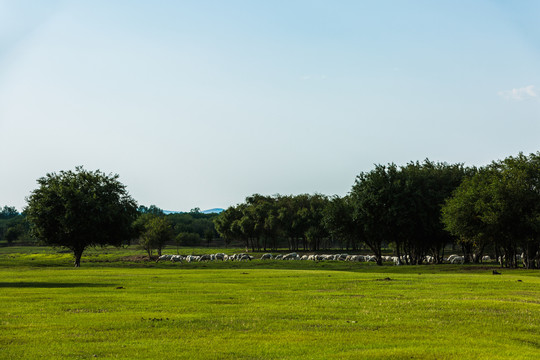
x: 202, y: 103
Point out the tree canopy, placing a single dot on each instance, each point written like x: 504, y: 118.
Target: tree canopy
x: 81, y: 208
x: 499, y: 207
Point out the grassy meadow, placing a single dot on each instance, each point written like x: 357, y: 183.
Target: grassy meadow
x: 115, y: 308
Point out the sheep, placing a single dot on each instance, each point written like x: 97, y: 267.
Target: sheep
x: 291, y: 256
x: 205, y: 257
x: 457, y: 259
x: 192, y: 258
x: 177, y: 258
x: 234, y: 257
x: 220, y: 256
x: 245, y: 257
x: 266, y: 256
x: 164, y: 257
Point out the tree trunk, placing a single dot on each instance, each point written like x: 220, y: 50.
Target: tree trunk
x: 77, y: 253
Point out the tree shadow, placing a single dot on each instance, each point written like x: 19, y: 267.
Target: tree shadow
x: 45, y: 285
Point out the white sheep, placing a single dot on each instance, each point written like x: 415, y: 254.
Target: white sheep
x: 245, y: 257
x: 205, y: 257
x: 291, y: 256
x: 164, y: 257
x: 220, y: 256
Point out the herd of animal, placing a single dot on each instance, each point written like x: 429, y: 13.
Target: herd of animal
x: 452, y: 259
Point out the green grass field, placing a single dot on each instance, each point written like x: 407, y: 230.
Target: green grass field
x: 115, y: 309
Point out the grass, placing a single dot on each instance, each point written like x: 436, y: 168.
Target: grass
x: 112, y: 309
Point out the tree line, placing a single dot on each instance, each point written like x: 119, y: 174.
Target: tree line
x: 154, y: 229
x: 416, y: 209
x: 13, y: 226
x: 388, y: 206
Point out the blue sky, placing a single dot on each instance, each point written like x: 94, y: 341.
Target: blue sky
x: 202, y: 103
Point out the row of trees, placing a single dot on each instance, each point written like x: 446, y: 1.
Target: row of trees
x: 270, y: 222
x: 416, y: 209
x: 390, y: 205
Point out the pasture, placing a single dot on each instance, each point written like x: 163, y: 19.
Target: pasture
x: 115, y: 309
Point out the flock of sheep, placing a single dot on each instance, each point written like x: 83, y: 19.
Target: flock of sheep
x: 453, y: 259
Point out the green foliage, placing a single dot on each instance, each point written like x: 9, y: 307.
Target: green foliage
x: 266, y: 222
x: 14, y: 228
x: 152, y: 210
x: 339, y: 222
x: 188, y: 239
x: 192, y: 222
x: 12, y: 234
x: 157, y: 232
x: 500, y: 206
x: 8, y: 212
x: 402, y: 205
x: 78, y: 209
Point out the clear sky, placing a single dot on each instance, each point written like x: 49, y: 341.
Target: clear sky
x: 202, y: 103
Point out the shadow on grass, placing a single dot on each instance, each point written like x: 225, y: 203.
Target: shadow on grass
x: 36, y: 284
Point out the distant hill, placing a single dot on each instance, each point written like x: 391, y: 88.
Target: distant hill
x: 212, y: 211
x: 209, y: 211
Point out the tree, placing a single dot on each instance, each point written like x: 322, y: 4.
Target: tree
x: 338, y: 221
x: 422, y: 190
x: 500, y: 205
x: 187, y: 239
x: 153, y: 210
x: 13, y: 225
x: 401, y: 205
x: 224, y: 224
x: 8, y: 212
x: 13, y: 234
x: 461, y: 213
x: 375, y: 210
x: 81, y: 208
x: 157, y: 231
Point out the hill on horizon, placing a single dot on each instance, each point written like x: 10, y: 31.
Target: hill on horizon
x: 209, y: 211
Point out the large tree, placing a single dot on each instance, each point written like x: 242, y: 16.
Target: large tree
x: 81, y: 208
x: 401, y: 205
x: 500, y: 205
